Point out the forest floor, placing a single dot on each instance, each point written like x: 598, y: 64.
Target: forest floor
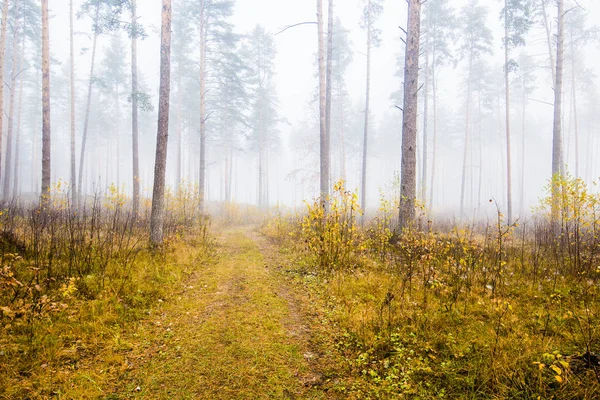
x: 239, y: 328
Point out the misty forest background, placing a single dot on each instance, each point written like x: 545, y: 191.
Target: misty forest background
x: 262, y: 141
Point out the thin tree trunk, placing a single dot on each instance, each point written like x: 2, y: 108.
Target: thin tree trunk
x: 425, y: 118
x: 203, y: 40
x: 72, y: 87
x: 162, y: 136
x: 557, y: 156
x: 261, y: 133
x: 324, y: 155
x: 548, y: 39
x: 466, y: 148
x: 46, y: 144
x: 17, y: 169
x: 88, y: 106
x: 522, y: 201
x: 342, y: 134
x: 507, y: 98
x: 408, y: 184
x: 363, y: 177
x: 480, y: 153
x: 574, y: 105
x: 2, y: 61
x: 434, y: 150
x: 179, y: 131
x: 135, y: 113
x: 328, y: 87
x: 16, y: 65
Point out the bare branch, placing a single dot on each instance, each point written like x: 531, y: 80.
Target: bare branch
x: 294, y: 25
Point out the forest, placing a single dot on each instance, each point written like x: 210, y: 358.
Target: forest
x: 248, y: 199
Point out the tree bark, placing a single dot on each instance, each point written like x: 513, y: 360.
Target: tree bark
x: 11, y: 107
x: 408, y: 184
x: 363, y: 177
x: 557, y: 151
x: 507, y: 98
x: 87, y: 108
x: 2, y: 60
x: 72, y: 87
x: 135, y: 112
x: 46, y: 137
x: 162, y: 135
x: 324, y: 154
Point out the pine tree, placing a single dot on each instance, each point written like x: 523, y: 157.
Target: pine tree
x: 264, y: 119
x: 162, y: 135
x: 476, y: 41
x: 408, y: 180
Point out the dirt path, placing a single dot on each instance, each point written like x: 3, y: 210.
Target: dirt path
x: 238, y: 330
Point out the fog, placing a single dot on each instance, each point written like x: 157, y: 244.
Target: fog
x: 293, y: 152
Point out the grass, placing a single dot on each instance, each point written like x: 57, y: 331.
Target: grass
x: 81, y: 351
x: 234, y: 331
x: 490, y: 312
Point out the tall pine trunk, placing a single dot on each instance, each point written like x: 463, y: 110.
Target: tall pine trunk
x: 507, y: 98
x: 46, y: 144
x: 328, y: 88
x: 425, y: 118
x: 548, y: 39
x: 363, y: 176
x: 408, y: 183
x: 179, y: 132
x: 324, y: 155
x: 203, y: 61
x: 574, y: 105
x: 72, y: 87
x: 557, y: 151
x: 135, y: 112
x: 463, y: 184
x: 2, y: 60
x: 88, y: 106
x: 162, y: 135
x: 434, y: 150
x: 17, y: 171
x: 11, y: 107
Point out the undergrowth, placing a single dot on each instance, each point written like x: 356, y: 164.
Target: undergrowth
x: 487, y: 311
x: 72, y: 279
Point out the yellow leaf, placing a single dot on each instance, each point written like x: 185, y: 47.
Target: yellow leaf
x: 565, y: 364
x: 559, y: 379
x: 556, y: 369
